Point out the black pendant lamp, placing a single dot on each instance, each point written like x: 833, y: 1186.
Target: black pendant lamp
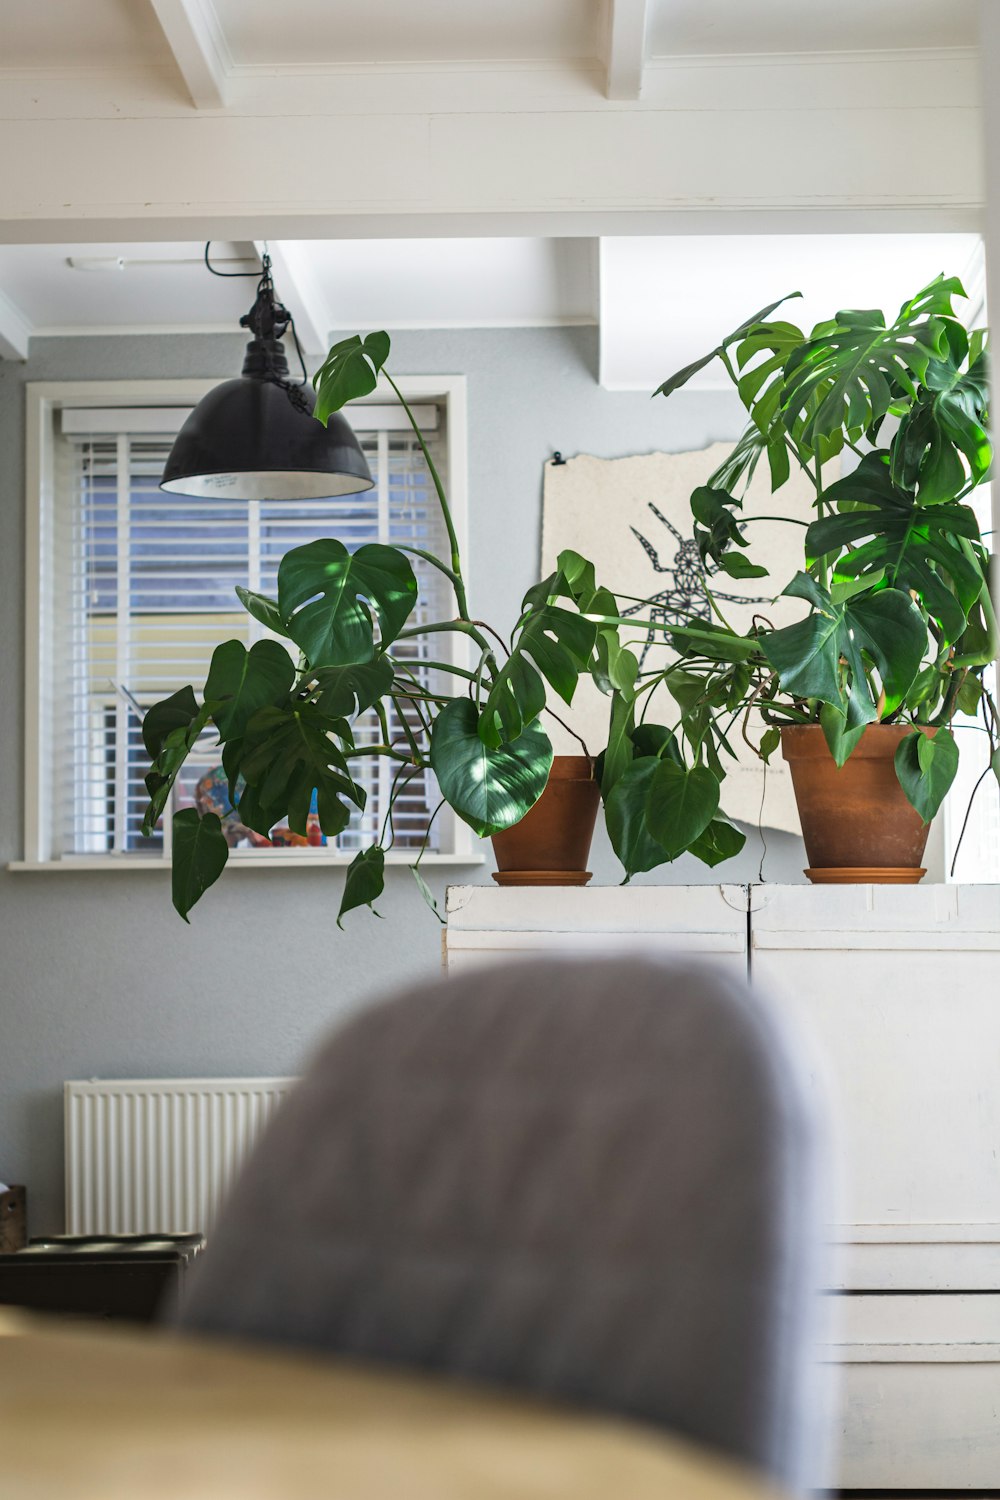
x: 256, y: 438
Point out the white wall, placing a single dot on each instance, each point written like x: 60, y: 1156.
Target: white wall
x: 98, y: 976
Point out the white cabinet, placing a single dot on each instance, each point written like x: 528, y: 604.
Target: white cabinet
x: 896, y: 991
x: 486, y: 924
x: 900, y: 990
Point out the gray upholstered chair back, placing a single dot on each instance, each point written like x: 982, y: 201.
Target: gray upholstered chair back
x: 595, y: 1181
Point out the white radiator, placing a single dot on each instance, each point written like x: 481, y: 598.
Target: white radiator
x: 158, y: 1155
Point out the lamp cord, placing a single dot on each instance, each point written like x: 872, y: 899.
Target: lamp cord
x: 265, y: 288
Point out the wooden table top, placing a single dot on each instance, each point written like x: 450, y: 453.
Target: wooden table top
x: 101, y: 1414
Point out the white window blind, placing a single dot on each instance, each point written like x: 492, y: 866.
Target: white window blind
x: 143, y: 586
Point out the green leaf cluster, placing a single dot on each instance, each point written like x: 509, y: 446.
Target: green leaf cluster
x: 900, y: 623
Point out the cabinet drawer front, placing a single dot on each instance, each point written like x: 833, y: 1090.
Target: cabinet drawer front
x: 919, y: 1391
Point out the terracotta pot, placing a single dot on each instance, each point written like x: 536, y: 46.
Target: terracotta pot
x: 551, y: 844
x: 856, y: 821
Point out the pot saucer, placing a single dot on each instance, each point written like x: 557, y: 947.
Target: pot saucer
x: 866, y: 875
x: 542, y: 877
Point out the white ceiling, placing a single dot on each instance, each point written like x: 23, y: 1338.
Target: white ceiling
x: 660, y: 301
x: 499, y: 118
x: 312, y: 34
x: 685, y: 27
x: 342, y: 31
x: 338, y: 119
x: 664, y: 303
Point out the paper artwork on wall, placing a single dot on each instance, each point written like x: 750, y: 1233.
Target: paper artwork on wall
x: 632, y: 518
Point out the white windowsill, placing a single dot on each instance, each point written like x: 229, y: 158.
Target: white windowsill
x: 249, y: 860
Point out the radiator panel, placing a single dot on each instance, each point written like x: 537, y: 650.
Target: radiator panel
x: 158, y: 1156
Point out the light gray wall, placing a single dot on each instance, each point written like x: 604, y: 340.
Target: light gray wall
x: 98, y: 976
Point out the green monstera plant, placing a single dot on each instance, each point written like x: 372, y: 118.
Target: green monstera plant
x: 899, y: 626
x: 286, y: 710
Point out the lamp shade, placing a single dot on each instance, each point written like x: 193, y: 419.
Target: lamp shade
x: 255, y: 439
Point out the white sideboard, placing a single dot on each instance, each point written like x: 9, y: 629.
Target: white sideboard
x: 896, y: 992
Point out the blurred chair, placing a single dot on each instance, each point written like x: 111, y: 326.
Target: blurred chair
x: 598, y: 1181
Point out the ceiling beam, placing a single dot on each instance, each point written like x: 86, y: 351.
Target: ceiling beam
x: 624, y: 48
x: 199, y: 47
x: 15, y: 330
x: 298, y: 287
x: 138, y: 163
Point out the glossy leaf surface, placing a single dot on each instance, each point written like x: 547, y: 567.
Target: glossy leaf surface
x: 926, y: 768
x: 328, y: 596
x: 364, y: 882
x: 349, y: 371
x: 489, y: 788
x: 199, y: 857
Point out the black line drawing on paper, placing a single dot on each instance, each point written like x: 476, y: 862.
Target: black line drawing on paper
x: 685, y: 597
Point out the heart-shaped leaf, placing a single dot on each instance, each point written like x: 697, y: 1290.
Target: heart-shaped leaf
x: 719, y: 842
x: 364, y: 883
x: 625, y: 817
x: 241, y: 681
x: 175, y: 712
x: 926, y: 768
x: 328, y: 597
x: 199, y: 856
x: 680, y: 804
x: 840, y: 740
x: 658, y: 795
x: 489, y: 788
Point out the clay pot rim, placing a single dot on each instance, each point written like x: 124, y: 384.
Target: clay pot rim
x: 808, y: 742
x: 572, y: 768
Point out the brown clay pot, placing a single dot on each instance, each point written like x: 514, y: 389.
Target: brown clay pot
x: 551, y: 844
x: 856, y: 821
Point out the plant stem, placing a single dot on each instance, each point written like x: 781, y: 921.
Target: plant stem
x: 456, y: 558
x: 435, y: 666
x: 578, y: 737
x: 383, y: 750
x: 824, y: 566
x: 464, y: 627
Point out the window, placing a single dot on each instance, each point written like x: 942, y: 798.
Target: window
x: 135, y: 588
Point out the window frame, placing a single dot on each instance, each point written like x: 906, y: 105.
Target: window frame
x: 44, y: 400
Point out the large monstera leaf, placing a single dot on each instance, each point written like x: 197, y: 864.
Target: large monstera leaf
x: 883, y: 530
x: 349, y: 371
x: 288, y: 753
x: 886, y: 626
x: 327, y: 597
x: 853, y: 368
x: 489, y: 788
x: 241, y: 681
